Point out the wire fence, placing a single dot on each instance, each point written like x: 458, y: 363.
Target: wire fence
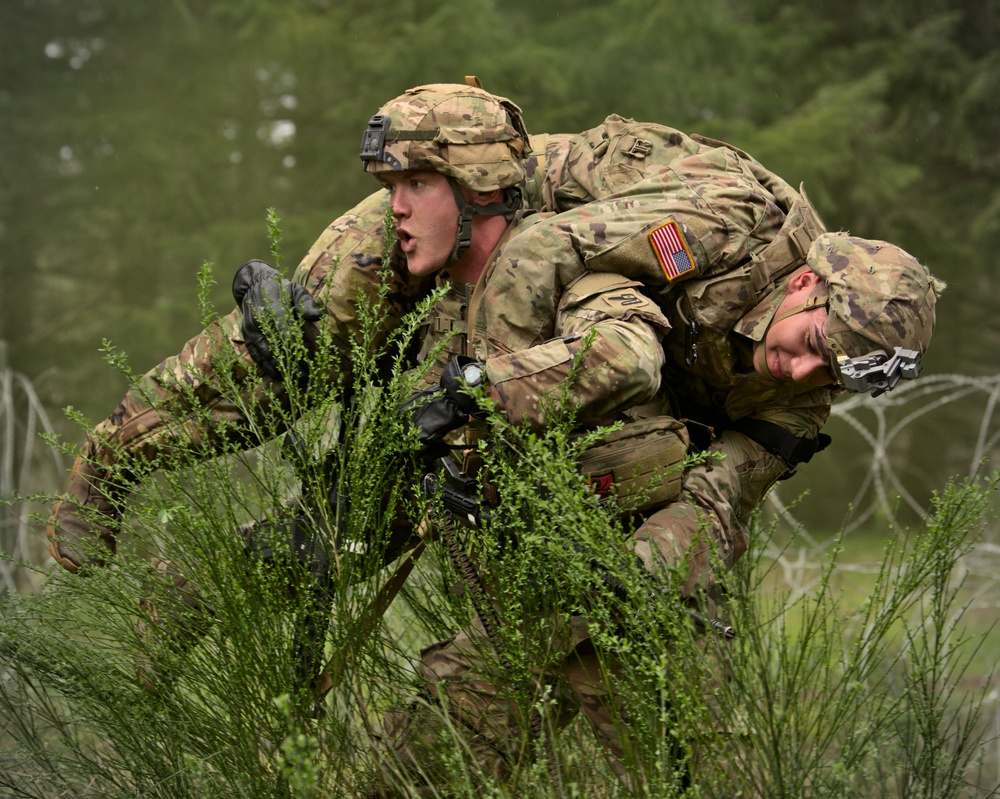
x: 881, y: 421
x: 27, y: 465
x: 881, y: 497
x: 880, y: 493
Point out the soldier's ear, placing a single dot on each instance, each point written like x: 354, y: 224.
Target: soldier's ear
x: 806, y: 279
x: 486, y: 197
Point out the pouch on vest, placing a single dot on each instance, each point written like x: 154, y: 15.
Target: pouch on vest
x: 639, y: 464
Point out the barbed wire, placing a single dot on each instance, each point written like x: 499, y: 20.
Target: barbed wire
x: 879, y: 490
x: 22, y: 418
x: 881, y: 486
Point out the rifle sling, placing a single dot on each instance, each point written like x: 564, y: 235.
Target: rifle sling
x: 336, y: 666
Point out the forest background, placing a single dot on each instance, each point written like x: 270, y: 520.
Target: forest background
x: 138, y: 140
x: 141, y: 139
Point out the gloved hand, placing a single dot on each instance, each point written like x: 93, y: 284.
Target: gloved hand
x: 263, y: 293
x: 84, y: 517
x: 434, y: 415
x: 460, y: 375
x: 438, y: 410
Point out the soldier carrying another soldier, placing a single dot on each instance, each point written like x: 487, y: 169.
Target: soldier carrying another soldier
x: 705, y: 288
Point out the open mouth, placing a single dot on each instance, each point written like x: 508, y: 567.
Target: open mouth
x: 405, y: 240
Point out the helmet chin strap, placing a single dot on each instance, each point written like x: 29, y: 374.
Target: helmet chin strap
x: 506, y: 208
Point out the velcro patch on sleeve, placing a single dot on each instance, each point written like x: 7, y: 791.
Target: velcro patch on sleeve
x: 671, y: 250
x: 603, y: 484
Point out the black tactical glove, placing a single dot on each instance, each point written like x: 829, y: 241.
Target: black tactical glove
x: 438, y: 410
x: 434, y: 415
x: 460, y: 375
x: 263, y: 293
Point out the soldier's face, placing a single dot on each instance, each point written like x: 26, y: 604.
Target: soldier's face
x: 426, y: 218
x: 795, y: 347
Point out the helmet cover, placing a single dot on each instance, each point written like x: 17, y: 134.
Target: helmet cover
x: 461, y: 131
x: 880, y: 297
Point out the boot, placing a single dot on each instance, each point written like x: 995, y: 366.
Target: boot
x: 84, y: 522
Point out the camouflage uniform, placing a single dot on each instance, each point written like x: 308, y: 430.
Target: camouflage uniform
x: 727, y: 218
x: 346, y: 261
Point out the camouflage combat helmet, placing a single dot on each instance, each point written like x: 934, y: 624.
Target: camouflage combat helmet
x: 474, y: 138
x: 880, y: 298
x: 459, y: 130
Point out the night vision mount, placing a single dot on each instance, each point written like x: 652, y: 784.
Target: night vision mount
x: 878, y: 372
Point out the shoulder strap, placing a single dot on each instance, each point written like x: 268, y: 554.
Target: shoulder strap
x: 788, y: 250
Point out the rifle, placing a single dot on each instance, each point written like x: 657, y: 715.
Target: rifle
x: 311, y: 541
x: 305, y: 545
x: 460, y: 498
x: 458, y: 493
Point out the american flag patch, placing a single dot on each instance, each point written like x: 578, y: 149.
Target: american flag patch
x: 672, y: 251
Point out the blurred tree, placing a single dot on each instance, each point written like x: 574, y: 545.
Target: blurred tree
x: 139, y: 140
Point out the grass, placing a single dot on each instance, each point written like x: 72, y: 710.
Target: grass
x: 799, y: 568
x: 945, y: 626
x: 73, y: 719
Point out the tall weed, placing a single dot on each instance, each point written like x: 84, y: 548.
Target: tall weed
x: 209, y: 595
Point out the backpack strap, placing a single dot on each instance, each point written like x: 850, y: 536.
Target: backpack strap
x: 788, y: 250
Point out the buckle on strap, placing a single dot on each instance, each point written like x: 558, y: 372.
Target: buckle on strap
x: 639, y: 148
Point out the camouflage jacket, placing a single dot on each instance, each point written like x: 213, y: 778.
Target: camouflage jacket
x: 344, y: 267
x: 530, y: 313
x: 715, y: 244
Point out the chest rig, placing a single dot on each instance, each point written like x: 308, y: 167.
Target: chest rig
x: 446, y: 332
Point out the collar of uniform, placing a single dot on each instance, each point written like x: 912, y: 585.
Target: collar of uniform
x: 753, y: 324
x: 476, y: 326
x: 517, y: 224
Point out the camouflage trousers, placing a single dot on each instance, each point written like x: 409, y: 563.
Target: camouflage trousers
x: 470, y: 716
x: 468, y: 706
x: 468, y: 703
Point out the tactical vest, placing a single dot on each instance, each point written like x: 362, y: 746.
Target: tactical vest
x: 445, y: 334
